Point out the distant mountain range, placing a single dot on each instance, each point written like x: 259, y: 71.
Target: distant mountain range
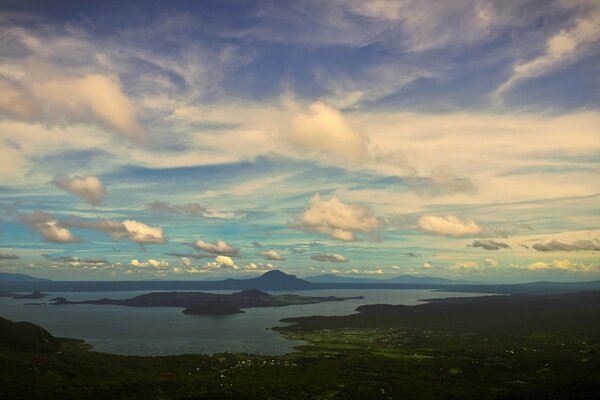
x: 330, y: 278
x: 279, y: 281
x: 8, y: 277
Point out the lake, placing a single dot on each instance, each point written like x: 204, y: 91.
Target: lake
x: 167, y: 331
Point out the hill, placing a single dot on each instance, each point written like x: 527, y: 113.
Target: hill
x: 10, y: 277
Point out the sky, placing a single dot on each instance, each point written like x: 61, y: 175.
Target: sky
x: 200, y: 139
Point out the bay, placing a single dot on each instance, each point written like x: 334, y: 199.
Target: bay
x: 167, y: 331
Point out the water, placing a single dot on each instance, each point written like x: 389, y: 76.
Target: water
x: 167, y: 331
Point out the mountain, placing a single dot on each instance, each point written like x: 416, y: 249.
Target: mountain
x: 428, y: 280
x: 276, y: 280
x: 8, y: 277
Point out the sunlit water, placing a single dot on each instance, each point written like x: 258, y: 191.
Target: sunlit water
x: 166, y: 330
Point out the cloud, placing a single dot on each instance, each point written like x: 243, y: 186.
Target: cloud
x: 427, y: 265
x: 577, y: 245
x: 219, y: 247
x: 411, y: 254
x: 47, y: 96
x: 50, y: 229
x: 89, y: 188
x: 449, y: 225
x: 7, y: 256
x: 135, y: 231
x: 441, y: 182
x: 489, y: 244
x: 191, y: 209
x: 222, y: 262
x: 152, y: 263
x: 189, y: 255
x: 562, y: 265
x: 89, y: 263
x: 271, y: 255
x: 335, y: 218
x: 329, y: 258
x: 474, y: 267
x: 324, y: 130
x: 563, y: 47
x: 258, y: 267
x: 256, y: 244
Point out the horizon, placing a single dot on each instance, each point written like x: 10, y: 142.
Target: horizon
x: 203, y: 141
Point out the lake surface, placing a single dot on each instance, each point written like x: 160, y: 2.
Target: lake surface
x: 167, y: 331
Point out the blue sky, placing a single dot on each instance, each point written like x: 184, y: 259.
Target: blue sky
x: 202, y: 139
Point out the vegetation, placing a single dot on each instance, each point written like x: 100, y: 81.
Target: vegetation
x: 208, y: 303
x: 530, y: 347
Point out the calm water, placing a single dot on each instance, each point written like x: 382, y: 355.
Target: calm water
x: 163, y: 331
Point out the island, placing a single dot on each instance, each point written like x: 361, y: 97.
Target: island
x: 200, y: 303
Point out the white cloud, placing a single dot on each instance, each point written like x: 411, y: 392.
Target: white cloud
x: 474, y: 267
x: 562, y: 265
x: 135, y: 231
x: 329, y: 257
x: 449, y: 225
x: 271, y: 255
x: 47, y: 96
x: 50, y: 229
x: 89, y: 187
x: 141, y: 233
x: 258, y: 267
x: 335, y: 218
x: 325, y: 130
x: 152, y: 263
x: 563, y: 47
x: 219, y: 247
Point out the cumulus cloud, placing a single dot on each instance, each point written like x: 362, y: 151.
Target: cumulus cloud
x: 271, y: 255
x: 329, y: 257
x: 449, y: 225
x: 427, y: 265
x: 474, y: 266
x: 89, y: 188
x: 258, y: 267
x: 135, y: 231
x: 562, y: 265
x: 441, y: 182
x: 151, y: 263
x: 335, y: 218
x: 51, y: 229
x: 577, y: 245
x: 221, y: 262
x: 563, y: 47
x: 489, y: 244
x: 89, y: 263
x: 325, y: 130
x: 219, y: 247
x: 44, y: 95
x: 7, y: 256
